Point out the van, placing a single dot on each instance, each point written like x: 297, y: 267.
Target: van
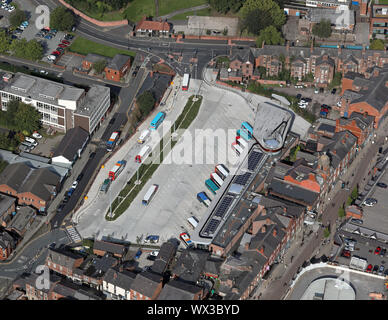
x: 28, y: 144
x: 193, y: 221
x: 105, y: 185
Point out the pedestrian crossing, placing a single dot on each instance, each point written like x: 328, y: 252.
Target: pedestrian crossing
x: 73, y: 234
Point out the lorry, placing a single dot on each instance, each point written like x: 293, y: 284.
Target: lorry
x: 143, y: 136
x: 116, y: 170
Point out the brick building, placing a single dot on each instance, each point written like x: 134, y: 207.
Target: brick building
x: 146, y: 286
x: 63, y: 261
x: 378, y: 21
x: 34, y: 187
x: 117, y: 67
x: 179, y: 290
x: 117, y: 284
x: 8, y: 242
x: 101, y: 248
x: 149, y: 28
x: 7, y: 209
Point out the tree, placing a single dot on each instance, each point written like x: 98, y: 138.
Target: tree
x: 27, y: 118
x: 377, y: 44
x: 326, y: 232
x: 17, y: 18
x: 62, y: 19
x: 4, y: 42
x: 269, y: 7
x: 270, y: 36
x: 341, y: 212
x: 255, y: 21
x: 146, y: 102
x: 322, y: 29
x: 99, y: 65
x: 354, y: 193
x: 224, y: 6
x: 31, y: 50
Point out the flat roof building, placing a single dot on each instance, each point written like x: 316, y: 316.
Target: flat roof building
x: 61, y: 106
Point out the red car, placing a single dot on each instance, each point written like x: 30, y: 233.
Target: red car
x: 369, y: 268
x: 56, y: 53
x: 378, y: 250
x: 65, y: 42
x: 346, y: 253
x: 62, y: 45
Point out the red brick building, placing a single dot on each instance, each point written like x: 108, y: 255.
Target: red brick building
x: 149, y: 28
x: 8, y: 244
x: 117, y: 67
x: 146, y: 286
x: 63, y: 261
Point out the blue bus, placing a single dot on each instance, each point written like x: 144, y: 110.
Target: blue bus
x: 157, y: 121
x: 211, y: 186
x: 245, y: 131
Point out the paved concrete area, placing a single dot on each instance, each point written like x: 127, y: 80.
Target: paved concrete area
x: 175, y: 200
x: 363, y: 284
x: 362, y: 33
x: 70, y: 61
x: 46, y: 146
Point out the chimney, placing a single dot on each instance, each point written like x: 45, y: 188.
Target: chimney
x: 261, y: 250
x: 263, y: 229
x: 284, y: 209
x: 151, y: 73
x: 115, y: 275
x: 274, y: 232
x: 365, y: 114
x: 246, y: 246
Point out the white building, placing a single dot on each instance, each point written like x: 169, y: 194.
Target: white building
x: 62, y: 106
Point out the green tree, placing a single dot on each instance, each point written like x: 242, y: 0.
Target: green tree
x: 62, y: 19
x: 4, y: 42
x: 17, y: 18
x: 354, y: 193
x: 146, y: 102
x: 377, y: 44
x: 326, y: 232
x: 10, y: 114
x: 255, y: 21
x: 224, y: 6
x: 270, y: 36
x: 31, y: 50
x: 99, y: 66
x: 349, y: 201
x: 27, y: 118
x: 268, y: 6
x: 341, y: 212
x: 322, y: 29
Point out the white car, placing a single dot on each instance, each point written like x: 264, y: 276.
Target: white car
x: 44, y: 72
x: 339, y: 103
x: 370, y: 202
x: 75, y: 184
x: 30, y: 140
x: 36, y: 135
x: 316, y: 91
x: 11, y: 9
x: 154, y: 253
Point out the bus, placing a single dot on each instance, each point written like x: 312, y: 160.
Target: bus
x: 157, y: 120
x: 186, y: 239
x: 222, y: 171
x: 237, y: 148
x: 112, y: 141
x: 185, y: 81
x: 150, y: 194
x: 193, y: 221
x: 116, y: 170
x: 202, y: 197
x: 216, y: 179
x: 211, y: 186
x: 143, y: 137
x: 242, y: 142
x: 142, y: 154
x: 246, y: 131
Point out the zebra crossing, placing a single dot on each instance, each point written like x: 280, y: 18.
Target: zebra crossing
x: 73, y: 234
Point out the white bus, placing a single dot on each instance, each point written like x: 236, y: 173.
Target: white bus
x: 185, y: 81
x: 242, y: 142
x: 143, y: 137
x: 222, y: 171
x: 216, y: 179
x: 193, y: 221
x: 142, y: 154
x: 150, y: 194
x: 237, y: 148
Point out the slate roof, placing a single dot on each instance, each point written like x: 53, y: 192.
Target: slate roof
x: 23, y: 178
x: 166, y: 253
x: 157, y: 84
x: 110, y: 247
x: 352, y: 75
x: 22, y: 219
x: 6, y: 202
x: 190, y: 264
x: 7, y: 239
x: 146, y: 283
x: 72, y: 290
x: 63, y: 257
x: 340, y: 146
x: 178, y: 290
x: 118, y: 62
x: 73, y: 140
x: 377, y: 93
x: 122, y: 279
x: 93, y: 58
x: 362, y: 121
x: 279, y: 187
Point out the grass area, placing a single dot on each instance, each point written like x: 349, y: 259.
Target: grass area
x: 168, y: 6
x: 183, y: 16
x: 383, y: 1
x: 146, y: 171
x: 162, y: 68
x: 139, y: 8
x: 84, y: 46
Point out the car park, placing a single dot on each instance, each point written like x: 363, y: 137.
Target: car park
x: 369, y: 268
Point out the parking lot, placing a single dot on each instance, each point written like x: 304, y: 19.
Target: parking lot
x: 376, y: 217
x: 46, y: 146
x: 175, y: 200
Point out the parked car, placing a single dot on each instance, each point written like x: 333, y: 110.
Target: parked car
x: 381, y: 185
x: 66, y: 199
x: 60, y: 207
x: 80, y: 176
x: 56, y: 53
x: 65, y: 42
x: 370, y: 202
x: 298, y: 96
x: 151, y: 258
x: 112, y: 120
x: 154, y: 253
x: 62, y: 45
x: 381, y: 270
x: 59, y: 49
x: 36, y: 135
x: 346, y: 253
x: 375, y: 268
x: 369, y: 268
x: 44, y: 72
x: 30, y: 140
x: 92, y: 155
x: 333, y: 91
x: 70, y: 192
x: 358, y: 221
x: 138, y: 254
x: 48, y: 37
x: 316, y: 90
x: 378, y: 250
x: 75, y: 184
x: 152, y: 238
x: 382, y: 252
